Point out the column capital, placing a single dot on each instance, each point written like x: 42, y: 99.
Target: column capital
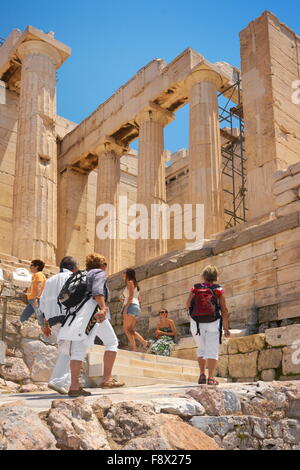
x: 154, y: 112
x: 204, y: 75
x: 39, y: 47
x: 111, y: 145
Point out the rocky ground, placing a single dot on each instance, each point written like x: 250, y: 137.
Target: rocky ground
x: 232, y: 416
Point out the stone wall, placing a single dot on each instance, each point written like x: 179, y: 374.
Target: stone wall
x: 286, y: 189
x: 270, y: 65
x: 273, y: 355
x: 30, y: 361
x: 235, y: 417
x: 259, y: 269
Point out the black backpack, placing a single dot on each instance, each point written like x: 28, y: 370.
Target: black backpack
x: 74, y: 294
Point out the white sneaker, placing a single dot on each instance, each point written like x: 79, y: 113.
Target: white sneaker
x: 56, y: 388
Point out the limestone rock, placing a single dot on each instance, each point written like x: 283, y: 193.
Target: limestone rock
x: 183, y: 407
x: 268, y: 375
x: 7, y: 386
x: 22, y: 429
x: 216, y: 402
x: 269, y: 359
x: 75, y: 426
x: 29, y: 388
x: 291, y: 360
x: 128, y: 420
x: 40, y: 358
x: 263, y: 400
x: 283, y: 336
x: 182, y: 436
x: 223, y: 348
x: 172, y: 433
x: 30, y: 330
x: 212, y: 425
x: 246, y: 344
x: 101, y: 406
x: 243, y: 365
x: 19, y: 372
x: 222, y: 366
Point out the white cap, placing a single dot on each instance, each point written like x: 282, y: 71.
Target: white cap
x: 22, y: 277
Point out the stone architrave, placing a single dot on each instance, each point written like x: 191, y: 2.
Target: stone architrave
x: 151, y: 187
x: 35, y: 187
x: 108, y: 192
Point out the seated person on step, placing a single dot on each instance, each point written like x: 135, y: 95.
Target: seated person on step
x: 165, y: 335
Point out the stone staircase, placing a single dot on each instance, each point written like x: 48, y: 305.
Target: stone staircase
x: 138, y: 369
x: 9, y: 263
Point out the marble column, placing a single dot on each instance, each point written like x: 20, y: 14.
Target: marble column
x: 108, y: 192
x: 72, y: 214
x: 35, y: 187
x: 205, y: 171
x: 151, y: 184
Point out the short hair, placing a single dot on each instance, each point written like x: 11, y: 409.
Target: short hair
x: 38, y: 263
x: 68, y: 262
x: 210, y: 273
x: 94, y: 261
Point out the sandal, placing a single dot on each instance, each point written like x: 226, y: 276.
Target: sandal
x: 212, y: 381
x: 202, y: 379
x: 113, y: 383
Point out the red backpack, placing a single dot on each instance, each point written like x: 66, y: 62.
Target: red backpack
x: 204, y: 307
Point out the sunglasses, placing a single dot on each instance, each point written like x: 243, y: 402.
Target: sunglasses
x: 163, y: 311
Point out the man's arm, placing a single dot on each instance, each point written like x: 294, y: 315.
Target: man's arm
x: 225, y: 315
x: 100, y: 316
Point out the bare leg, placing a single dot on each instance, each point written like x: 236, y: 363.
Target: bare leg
x: 75, y: 367
x: 137, y: 335
x: 127, y: 322
x: 211, y: 364
x: 202, y: 365
x: 108, y: 363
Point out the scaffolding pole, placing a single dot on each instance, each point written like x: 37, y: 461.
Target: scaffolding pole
x: 233, y: 155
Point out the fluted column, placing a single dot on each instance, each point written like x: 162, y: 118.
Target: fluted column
x: 205, y: 171
x: 35, y: 191
x: 72, y: 215
x: 151, y: 184
x: 108, y: 192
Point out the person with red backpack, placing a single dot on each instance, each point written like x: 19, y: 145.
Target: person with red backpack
x: 208, y: 311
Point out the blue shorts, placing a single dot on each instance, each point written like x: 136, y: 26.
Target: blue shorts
x: 134, y: 310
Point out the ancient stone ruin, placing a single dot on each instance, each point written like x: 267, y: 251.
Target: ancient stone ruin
x: 242, y: 164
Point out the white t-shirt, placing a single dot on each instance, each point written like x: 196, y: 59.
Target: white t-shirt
x: 135, y: 299
x: 48, y: 301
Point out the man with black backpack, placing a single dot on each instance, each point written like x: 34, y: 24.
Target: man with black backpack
x: 53, y: 316
x: 208, y: 311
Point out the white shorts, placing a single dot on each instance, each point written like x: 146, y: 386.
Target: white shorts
x: 208, y: 341
x: 77, y: 349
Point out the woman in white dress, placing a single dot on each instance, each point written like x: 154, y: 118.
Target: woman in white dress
x: 131, y: 309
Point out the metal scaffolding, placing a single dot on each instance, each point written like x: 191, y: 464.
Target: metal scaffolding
x: 233, y: 155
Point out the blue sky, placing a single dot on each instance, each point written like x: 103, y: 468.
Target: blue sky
x: 112, y: 40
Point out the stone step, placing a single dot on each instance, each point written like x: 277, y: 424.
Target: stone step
x: 137, y: 372
x: 165, y: 366
x: 146, y: 357
x: 132, y: 381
